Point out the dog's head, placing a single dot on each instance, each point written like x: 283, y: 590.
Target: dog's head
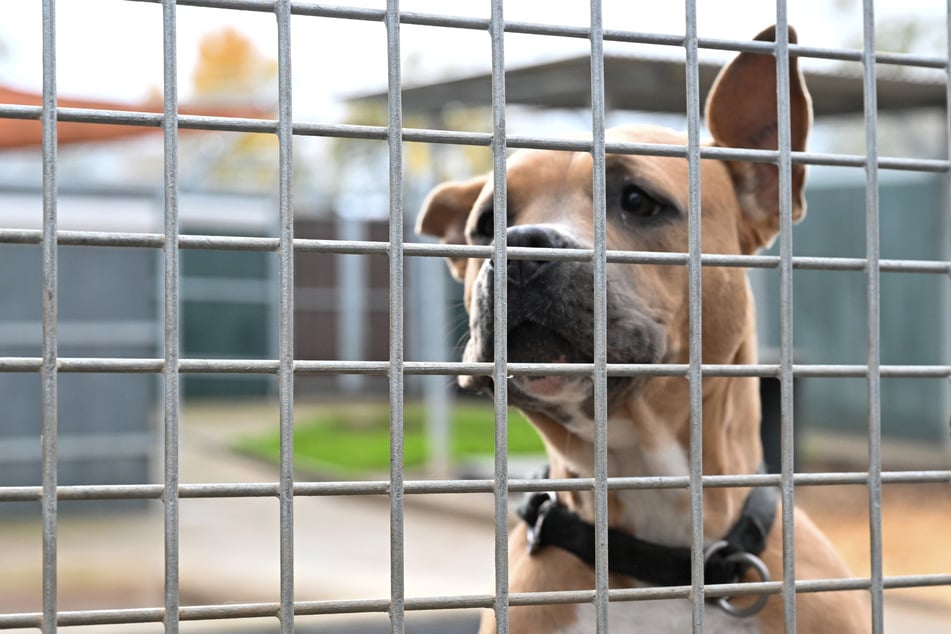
x: 549, y: 204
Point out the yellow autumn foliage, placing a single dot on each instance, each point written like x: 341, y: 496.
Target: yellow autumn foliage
x: 229, y: 65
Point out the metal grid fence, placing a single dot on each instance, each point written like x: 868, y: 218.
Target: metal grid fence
x: 171, y: 366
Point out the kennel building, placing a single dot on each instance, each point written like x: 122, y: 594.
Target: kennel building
x: 109, y: 308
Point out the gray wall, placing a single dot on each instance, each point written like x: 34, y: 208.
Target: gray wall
x: 830, y: 306
x: 106, y: 309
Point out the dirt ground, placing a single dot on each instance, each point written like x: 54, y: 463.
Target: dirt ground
x: 916, y: 523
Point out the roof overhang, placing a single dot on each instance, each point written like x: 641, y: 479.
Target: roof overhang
x: 650, y: 84
x: 28, y: 132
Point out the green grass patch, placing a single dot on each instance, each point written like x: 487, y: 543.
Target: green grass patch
x: 354, y: 438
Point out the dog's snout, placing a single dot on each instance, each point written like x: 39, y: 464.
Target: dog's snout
x: 523, y: 272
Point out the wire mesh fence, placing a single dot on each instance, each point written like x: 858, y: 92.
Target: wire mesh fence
x: 172, y: 366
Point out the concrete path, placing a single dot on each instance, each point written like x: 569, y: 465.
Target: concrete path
x: 229, y: 548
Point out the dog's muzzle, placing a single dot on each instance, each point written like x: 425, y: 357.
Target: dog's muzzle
x: 550, y: 319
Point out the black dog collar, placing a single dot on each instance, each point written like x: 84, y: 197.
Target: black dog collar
x: 551, y: 523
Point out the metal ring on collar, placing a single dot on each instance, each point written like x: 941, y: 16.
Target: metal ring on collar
x: 740, y: 557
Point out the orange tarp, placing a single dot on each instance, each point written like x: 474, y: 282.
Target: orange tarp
x: 21, y: 133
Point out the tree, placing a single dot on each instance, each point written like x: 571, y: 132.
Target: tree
x: 231, y: 72
x: 230, y: 68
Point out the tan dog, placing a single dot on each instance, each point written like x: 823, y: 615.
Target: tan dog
x: 550, y: 320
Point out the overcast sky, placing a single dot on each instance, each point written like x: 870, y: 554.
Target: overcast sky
x: 113, y: 48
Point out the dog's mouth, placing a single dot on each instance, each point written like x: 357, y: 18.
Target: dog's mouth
x: 551, y: 322
x: 530, y: 342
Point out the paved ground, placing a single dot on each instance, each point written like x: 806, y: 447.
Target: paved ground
x: 229, y: 547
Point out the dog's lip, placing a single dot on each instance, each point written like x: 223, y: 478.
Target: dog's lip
x: 544, y: 388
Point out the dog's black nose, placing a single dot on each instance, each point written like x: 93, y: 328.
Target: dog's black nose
x: 523, y: 272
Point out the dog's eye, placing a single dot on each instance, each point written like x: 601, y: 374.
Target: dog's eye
x: 638, y: 203
x: 485, y: 225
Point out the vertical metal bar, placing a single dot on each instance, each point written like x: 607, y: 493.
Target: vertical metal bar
x: 600, y: 376
x: 395, y: 141
x: 49, y: 377
x: 286, y: 313
x: 695, y: 296
x: 500, y: 301
x: 787, y: 430
x: 947, y: 154
x: 171, y: 320
x: 873, y: 297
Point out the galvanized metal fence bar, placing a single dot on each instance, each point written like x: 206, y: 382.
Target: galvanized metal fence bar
x: 49, y: 368
x: 787, y: 434
x: 947, y: 105
x: 380, y: 368
x: 455, y: 137
x: 873, y: 330
x: 500, y: 369
x: 286, y: 368
x: 533, y: 28
x: 600, y: 303
x: 418, y: 487
x: 396, y: 364
x: 261, y: 610
x: 365, y: 247
x: 172, y: 347
x: 695, y: 309
x: 285, y: 375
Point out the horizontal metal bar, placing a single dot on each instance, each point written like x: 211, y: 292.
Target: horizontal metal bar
x: 85, y: 617
x: 363, y: 606
x: 453, y: 368
x: 378, y: 133
x: 841, y: 54
x: 143, y: 119
x: 531, y: 28
x: 86, y: 238
x: 363, y: 247
x: 439, y: 487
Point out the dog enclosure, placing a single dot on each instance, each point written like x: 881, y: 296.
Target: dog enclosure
x: 55, y: 362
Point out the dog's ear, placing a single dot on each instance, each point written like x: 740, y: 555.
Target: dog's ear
x: 741, y: 113
x: 444, y: 213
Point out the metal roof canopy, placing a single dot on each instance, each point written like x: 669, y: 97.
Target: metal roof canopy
x: 651, y: 84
